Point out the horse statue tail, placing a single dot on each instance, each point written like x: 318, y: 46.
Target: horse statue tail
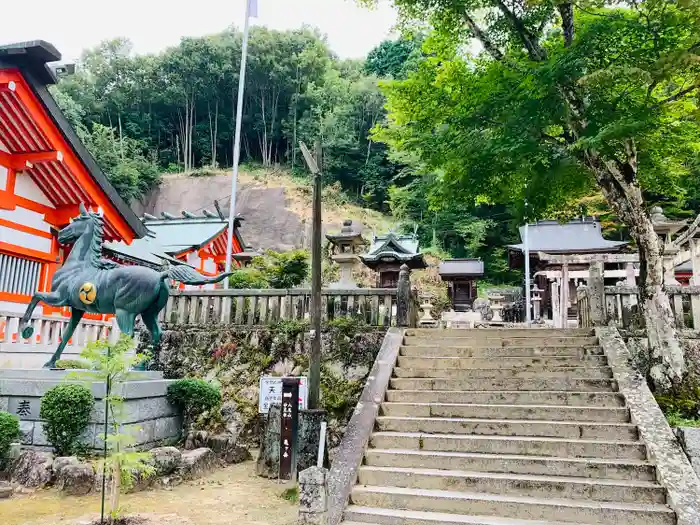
x: 187, y: 275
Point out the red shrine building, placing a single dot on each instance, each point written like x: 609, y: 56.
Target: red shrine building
x: 46, y: 173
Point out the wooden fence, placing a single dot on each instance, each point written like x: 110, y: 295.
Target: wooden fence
x: 376, y: 306
x: 621, y: 306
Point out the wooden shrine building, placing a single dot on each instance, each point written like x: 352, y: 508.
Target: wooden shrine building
x: 388, y: 253
x: 45, y: 174
x: 461, y: 276
x: 578, y: 237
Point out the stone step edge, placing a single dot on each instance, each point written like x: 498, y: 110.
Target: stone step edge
x: 510, y: 405
x: 446, y: 494
x: 388, y: 433
x: 642, y: 484
x: 494, y: 392
x: 516, y: 457
x: 508, y: 421
x: 441, y: 518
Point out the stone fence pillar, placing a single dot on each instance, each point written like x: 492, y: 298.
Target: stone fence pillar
x: 596, y: 294
x: 313, y: 496
x: 403, y: 298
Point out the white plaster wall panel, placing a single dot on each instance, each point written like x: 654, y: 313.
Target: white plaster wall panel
x: 27, y: 188
x: 3, y: 178
x: 26, y: 217
x: 209, y: 266
x: 193, y: 259
x: 25, y: 240
x: 18, y: 308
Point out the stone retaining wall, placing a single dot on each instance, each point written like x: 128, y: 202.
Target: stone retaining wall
x: 146, y: 413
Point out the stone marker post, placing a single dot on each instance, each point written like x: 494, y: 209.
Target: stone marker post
x: 313, y: 496
x: 403, y: 297
x: 596, y: 293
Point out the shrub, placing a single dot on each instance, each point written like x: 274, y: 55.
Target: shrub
x: 248, y: 279
x: 72, y: 364
x: 9, y: 433
x: 193, y: 397
x: 66, y: 412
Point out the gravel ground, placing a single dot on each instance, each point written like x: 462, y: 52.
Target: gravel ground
x: 231, y: 496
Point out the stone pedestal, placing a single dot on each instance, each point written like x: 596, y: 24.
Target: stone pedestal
x: 146, y: 413
x: 346, y: 262
x: 308, y: 440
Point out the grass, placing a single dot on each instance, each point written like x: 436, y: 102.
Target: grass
x: 676, y: 420
x: 291, y: 494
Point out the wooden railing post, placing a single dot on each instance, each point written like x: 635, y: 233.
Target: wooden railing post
x: 403, y: 297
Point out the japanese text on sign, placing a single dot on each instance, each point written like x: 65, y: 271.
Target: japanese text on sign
x: 271, y: 393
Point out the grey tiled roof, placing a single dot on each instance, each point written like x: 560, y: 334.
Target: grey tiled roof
x: 573, y: 237
x: 461, y: 267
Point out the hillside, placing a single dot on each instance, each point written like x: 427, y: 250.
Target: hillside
x: 276, y: 206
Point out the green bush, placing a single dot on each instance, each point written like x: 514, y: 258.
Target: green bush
x: 72, y: 364
x: 193, y: 397
x: 65, y: 410
x: 248, y: 279
x: 9, y: 433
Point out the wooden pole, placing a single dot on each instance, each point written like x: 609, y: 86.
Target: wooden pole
x: 315, y: 355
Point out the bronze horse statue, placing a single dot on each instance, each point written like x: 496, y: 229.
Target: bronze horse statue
x: 88, y: 283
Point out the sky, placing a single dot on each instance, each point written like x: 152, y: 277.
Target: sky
x: 153, y: 25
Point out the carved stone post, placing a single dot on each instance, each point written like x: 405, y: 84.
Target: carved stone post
x: 596, y: 294
x: 403, y: 298
x: 313, y: 496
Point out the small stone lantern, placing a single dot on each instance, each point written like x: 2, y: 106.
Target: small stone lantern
x: 665, y: 228
x: 344, y: 247
x: 497, y: 307
x: 426, y: 319
x: 536, y: 302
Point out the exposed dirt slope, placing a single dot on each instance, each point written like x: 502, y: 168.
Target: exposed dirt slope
x: 276, y: 207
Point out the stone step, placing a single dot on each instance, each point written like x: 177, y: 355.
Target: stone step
x: 615, y: 448
x: 518, y: 342
x: 500, y: 332
x: 498, y: 427
x: 533, y: 362
x: 435, y: 350
x: 588, y: 399
x: 619, y: 469
x: 598, y: 372
x: 522, y: 412
x: 511, y: 383
x: 539, y: 486
x: 567, y: 510
x: 377, y: 516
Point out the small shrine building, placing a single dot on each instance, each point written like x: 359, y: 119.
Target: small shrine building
x: 461, y: 276
x: 388, y: 253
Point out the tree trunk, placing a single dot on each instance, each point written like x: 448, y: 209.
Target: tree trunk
x: 620, y: 188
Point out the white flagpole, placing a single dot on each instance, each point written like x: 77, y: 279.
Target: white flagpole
x: 237, y: 138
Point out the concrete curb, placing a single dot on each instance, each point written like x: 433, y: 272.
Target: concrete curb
x: 348, y: 459
x: 673, y: 469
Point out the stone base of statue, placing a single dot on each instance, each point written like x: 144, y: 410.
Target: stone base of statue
x: 146, y: 413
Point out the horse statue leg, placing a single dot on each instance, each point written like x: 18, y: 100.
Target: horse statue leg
x: 52, y: 299
x: 75, y: 317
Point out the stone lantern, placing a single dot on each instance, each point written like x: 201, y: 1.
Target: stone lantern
x: 344, y: 247
x: 536, y: 302
x: 665, y: 228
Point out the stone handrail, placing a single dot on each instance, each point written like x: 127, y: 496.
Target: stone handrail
x: 376, y: 306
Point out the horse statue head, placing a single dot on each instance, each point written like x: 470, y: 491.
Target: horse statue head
x: 78, y: 226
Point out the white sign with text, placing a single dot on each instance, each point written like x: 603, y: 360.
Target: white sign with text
x: 271, y: 393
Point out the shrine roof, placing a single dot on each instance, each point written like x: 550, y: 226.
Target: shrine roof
x: 190, y: 231
x: 36, y: 136
x: 461, y: 268
x: 171, y: 235
x: 577, y: 236
x: 405, y: 246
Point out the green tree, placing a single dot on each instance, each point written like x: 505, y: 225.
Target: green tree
x: 553, y: 100
x: 394, y: 58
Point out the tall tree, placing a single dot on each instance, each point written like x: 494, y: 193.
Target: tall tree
x: 556, y: 97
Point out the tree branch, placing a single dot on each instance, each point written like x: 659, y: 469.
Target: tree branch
x: 566, y: 10
x: 529, y: 40
x: 678, y: 95
x: 480, y: 35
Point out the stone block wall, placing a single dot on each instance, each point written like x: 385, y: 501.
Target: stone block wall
x: 146, y: 413
x: 689, y: 438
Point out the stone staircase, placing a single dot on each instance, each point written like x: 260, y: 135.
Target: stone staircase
x: 505, y: 427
